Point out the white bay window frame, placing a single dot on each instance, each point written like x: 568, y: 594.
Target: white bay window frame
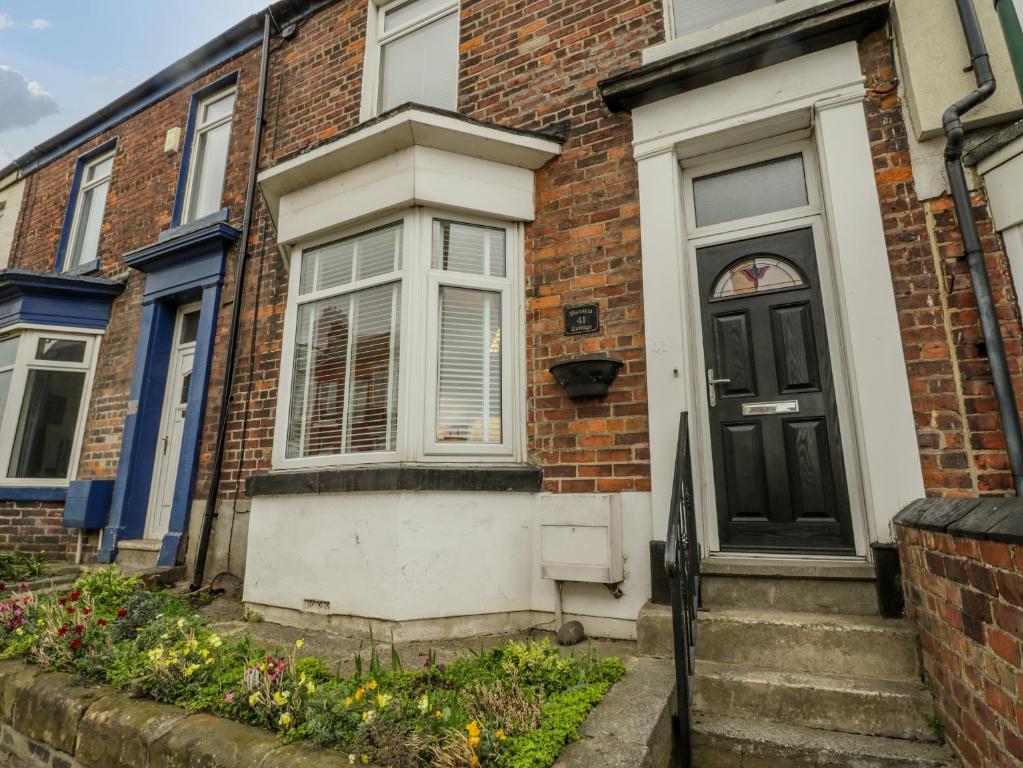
x: 418, y: 345
x: 25, y: 362
x: 377, y: 38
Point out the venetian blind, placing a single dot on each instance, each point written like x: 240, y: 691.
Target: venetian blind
x: 469, y: 366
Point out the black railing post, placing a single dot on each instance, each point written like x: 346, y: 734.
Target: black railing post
x: 682, y: 563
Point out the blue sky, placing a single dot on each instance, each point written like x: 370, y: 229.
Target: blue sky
x: 61, y: 60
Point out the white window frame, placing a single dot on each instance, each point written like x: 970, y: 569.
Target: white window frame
x: 76, y: 221
x: 670, y: 32
x: 24, y: 362
x: 418, y: 345
x: 197, y: 129
x: 376, y: 39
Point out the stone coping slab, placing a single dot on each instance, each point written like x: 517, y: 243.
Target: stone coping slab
x: 987, y: 519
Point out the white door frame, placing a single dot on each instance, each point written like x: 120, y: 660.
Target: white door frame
x: 810, y: 217
x: 164, y: 461
x: 820, y: 95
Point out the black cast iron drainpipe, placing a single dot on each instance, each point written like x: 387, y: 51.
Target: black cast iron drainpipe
x: 973, y: 251
x: 239, y: 275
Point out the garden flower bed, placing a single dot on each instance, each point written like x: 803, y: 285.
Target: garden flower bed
x: 513, y: 706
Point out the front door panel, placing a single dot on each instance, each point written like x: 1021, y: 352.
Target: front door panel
x: 778, y: 469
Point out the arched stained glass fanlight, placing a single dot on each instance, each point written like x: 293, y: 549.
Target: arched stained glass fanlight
x: 757, y: 274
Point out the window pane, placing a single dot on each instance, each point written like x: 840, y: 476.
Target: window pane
x: 469, y: 369
x: 422, y: 67
x: 369, y: 254
x: 215, y: 110
x: 691, y: 15
x: 758, y: 274
x: 99, y: 170
x: 344, y: 396
x: 762, y: 188
x: 209, y: 162
x: 5, y: 388
x: 189, y: 327
x: 46, y: 426
x: 410, y: 12
x: 468, y: 248
x: 63, y: 350
x: 8, y: 350
x: 87, y: 230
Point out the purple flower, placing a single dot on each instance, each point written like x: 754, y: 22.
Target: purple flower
x: 229, y: 697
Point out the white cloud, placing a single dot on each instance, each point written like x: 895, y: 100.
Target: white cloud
x: 23, y: 102
x: 6, y: 21
x: 40, y: 24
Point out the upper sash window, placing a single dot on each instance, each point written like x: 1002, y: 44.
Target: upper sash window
x: 89, y: 207
x: 210, y: 140
x: 418, y: 54
x: 694, y: 15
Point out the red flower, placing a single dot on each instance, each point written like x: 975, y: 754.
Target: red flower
x: 62, y: 631
x: 62, y: 601
x: 74, y: 596
x: 122, y: 612
x: 70, y: 610
x: 3, y: 587
x: 79, y: 629
x: 101, y: 623
x: 76, y: 643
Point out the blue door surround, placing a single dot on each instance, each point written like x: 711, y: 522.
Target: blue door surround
x: 184, y: 266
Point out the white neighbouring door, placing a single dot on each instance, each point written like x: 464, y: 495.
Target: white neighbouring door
x: 172, y: 423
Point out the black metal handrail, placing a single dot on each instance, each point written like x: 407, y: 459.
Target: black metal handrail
x: 682, y: 562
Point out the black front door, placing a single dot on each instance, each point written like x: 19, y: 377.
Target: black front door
x: 778, y: 472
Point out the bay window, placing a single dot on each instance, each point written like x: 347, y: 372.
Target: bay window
x: 399, y: 344
x: 45, y: 378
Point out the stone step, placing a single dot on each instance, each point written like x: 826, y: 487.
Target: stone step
x: 890, y: 708
x: 134, y: 555
x: 727, y: 742
x: 863, y: 646
x: 806, y: 586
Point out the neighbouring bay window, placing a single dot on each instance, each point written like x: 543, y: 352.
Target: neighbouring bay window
x: 413, y: 55
x: 397, y: 344
x: 693, y: 15
x: 45, y: 378
x: 207, y: 156
x: 89, y: 205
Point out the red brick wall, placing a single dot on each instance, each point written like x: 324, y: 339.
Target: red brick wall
x: 966, y: 599
x: 962, y: 448
x: 531, y: 65
x: 33, y: 526
x: 139, y: 206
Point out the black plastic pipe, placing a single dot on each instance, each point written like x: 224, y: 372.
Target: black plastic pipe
x: 973, y: 251
x: 239, y: 278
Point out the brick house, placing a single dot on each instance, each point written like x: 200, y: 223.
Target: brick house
x: 743, y: 204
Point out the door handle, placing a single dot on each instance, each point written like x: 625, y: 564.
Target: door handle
x: 712, y: 386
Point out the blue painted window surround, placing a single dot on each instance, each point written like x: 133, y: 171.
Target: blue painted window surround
x: 79, y: 238
x: 206, y: 123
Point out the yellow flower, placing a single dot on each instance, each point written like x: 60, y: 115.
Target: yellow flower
x: 424, y: 703
x: 474, y: 733
x: 310, y: 688
x: 368, y: 716
x: 299, y: 643
x: 262, y: 667
x: 474, y: 760
x: 19, y: 631
x: 438, y: 714
x: 383, y: 700
x: 215, y: 641
x: 365, y: 759
x: 285, y: 720
x: 348, y: 702
x: 372, y: 685
x: 359, y: 694
x: 181, y: 622
x: 254, y: 699
x: 280, y: 699
x: 351, y: 759
x: 190, y: 669
x: 205, y: 653
x: 500, y: 734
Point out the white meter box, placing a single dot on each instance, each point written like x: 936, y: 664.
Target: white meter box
x: 581, y: 538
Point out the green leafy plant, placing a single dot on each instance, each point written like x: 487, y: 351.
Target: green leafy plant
x: 108, y: 590
x: 19, y: 566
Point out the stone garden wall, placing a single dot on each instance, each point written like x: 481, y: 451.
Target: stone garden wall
x: 46, y: 722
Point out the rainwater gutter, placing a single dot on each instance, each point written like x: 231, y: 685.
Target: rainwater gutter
x: 952, y: 124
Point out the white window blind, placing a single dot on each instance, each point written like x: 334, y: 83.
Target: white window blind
x: 693, y: 15
x: 419, y: 54
x: 89, y: 208
x: 344, y: 395
x: 470, y: 346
